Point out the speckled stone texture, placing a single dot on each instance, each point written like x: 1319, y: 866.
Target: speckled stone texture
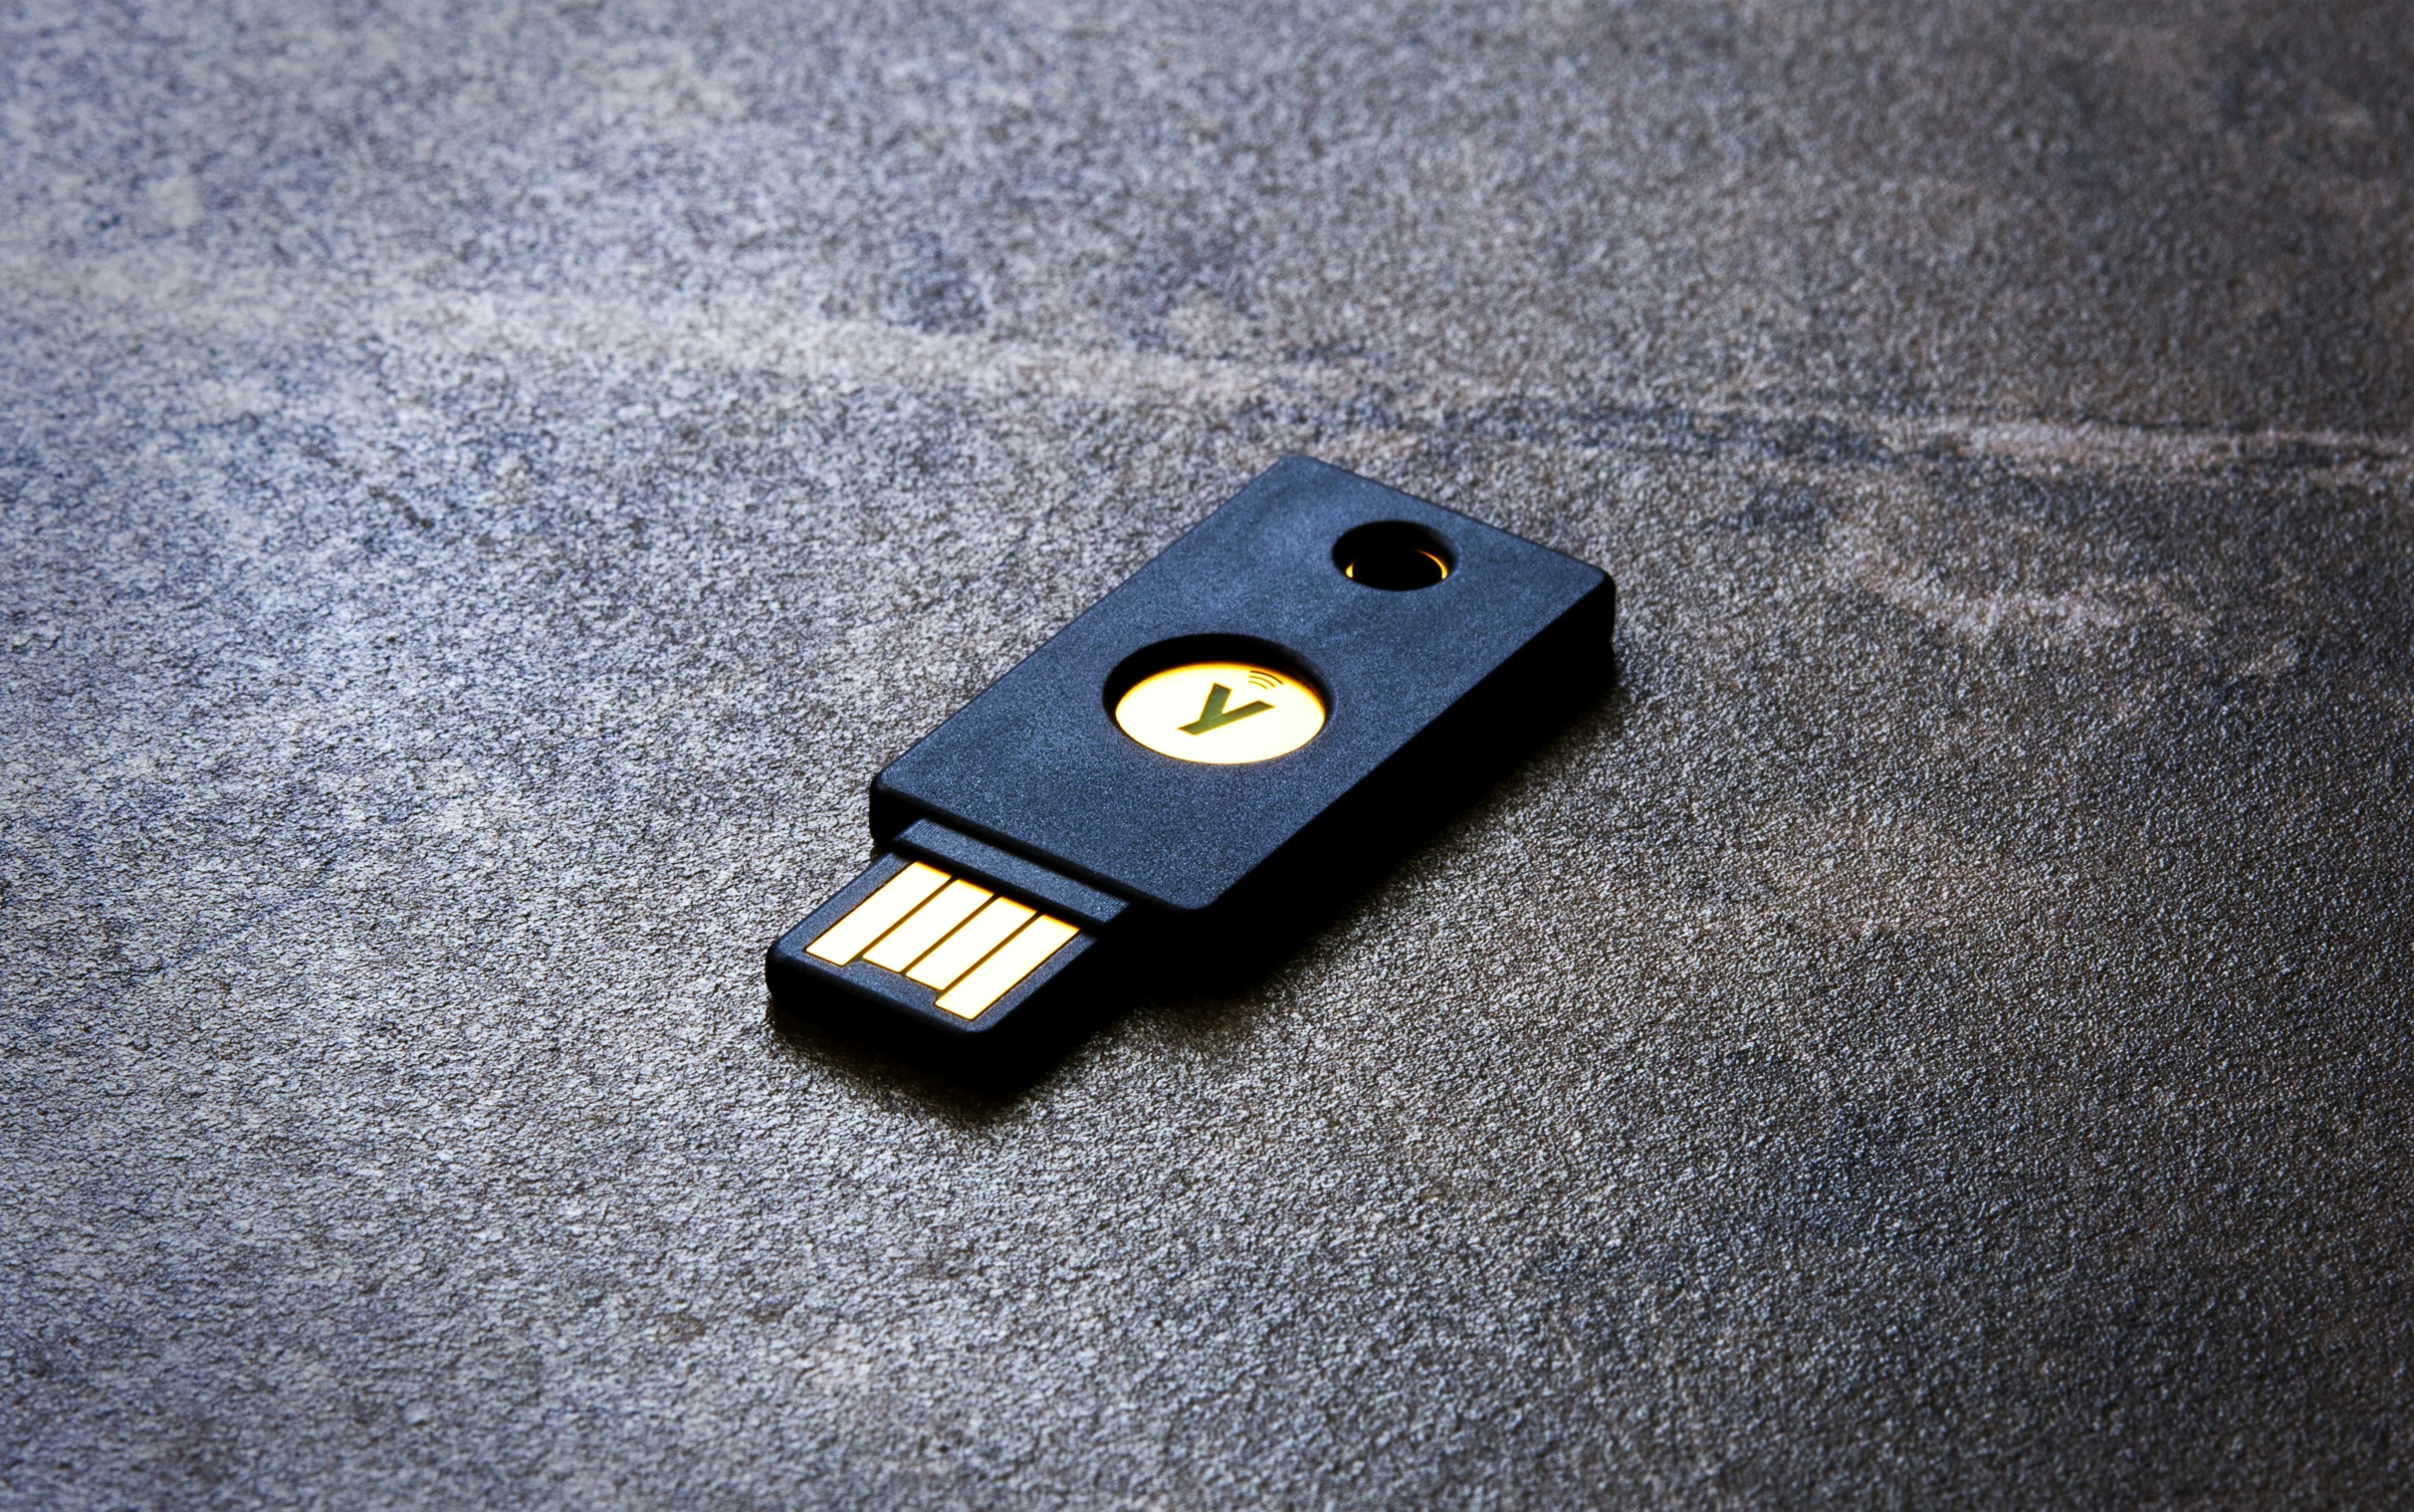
x: 482, y: 488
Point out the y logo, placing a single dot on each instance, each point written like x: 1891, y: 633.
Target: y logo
x: 1211, y: 715
x: 1187, y: 713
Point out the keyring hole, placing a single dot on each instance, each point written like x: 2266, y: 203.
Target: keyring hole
x: 1393, y: 555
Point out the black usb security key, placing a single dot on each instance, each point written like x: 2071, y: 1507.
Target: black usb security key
x: 1201, y: 760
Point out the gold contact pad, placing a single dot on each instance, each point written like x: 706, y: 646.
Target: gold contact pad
x: 960, y: 951
x: 955, y: 936
x: 877, y: 915
x: 926, y: 926
x: 1018, y: 957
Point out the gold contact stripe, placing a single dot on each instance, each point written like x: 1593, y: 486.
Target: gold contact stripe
x: 877, y: 915
x: 926, y: 926
x: 1018, y: 957
x: 975, y: 937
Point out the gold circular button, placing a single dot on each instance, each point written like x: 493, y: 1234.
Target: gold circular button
x: 1220, y: 713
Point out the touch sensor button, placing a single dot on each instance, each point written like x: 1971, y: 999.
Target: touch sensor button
x: 1220, y: 713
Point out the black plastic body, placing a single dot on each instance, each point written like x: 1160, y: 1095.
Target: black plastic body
x: 1033, y: 789
x: 1036, y: 766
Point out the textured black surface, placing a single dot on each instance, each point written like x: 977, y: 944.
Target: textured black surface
x: 483, y: 488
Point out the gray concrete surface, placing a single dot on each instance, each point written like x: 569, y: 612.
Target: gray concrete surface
x: 483, y: 488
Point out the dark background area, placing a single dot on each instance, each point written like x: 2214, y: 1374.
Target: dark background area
x: 482, y: 488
